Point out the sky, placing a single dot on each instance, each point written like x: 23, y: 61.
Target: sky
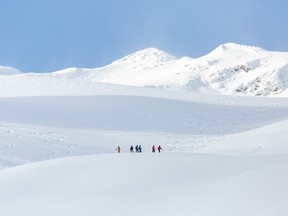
x: 50, y: 35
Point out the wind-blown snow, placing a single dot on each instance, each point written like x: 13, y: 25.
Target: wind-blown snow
x: 224, y: 154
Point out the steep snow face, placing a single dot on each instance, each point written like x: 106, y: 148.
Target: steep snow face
x: 4, y: 70
x: 233, y: 69
x: 230, y: 69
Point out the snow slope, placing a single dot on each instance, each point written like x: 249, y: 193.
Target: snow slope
x: 41, y: 128
x: 237, y: 180
x: 147, y: 184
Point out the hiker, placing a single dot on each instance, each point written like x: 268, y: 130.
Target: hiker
x: 137, y: 148
x: 131, y: 149
x: 153, y: 149
x: 118, y: 149
x: 140, y: 148
x: 159, y: 148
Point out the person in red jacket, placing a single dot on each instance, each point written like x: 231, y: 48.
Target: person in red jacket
x: 118, y: 149
x: 153, y: 149
x: 159, y: 148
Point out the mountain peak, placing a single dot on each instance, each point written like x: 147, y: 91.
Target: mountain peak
x: 231, y: 45
x: 152, y: 55
x: 237, y: 50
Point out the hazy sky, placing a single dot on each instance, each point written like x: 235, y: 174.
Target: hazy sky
x: 49, y: 35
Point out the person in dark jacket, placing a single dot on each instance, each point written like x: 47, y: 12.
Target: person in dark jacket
x: 131, y: 149
x: 137, y: 148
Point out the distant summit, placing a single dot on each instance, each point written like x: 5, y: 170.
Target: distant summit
x: 237, y: 50
x: 151, y: 55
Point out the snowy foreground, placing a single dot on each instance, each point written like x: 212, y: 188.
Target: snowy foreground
x: 146, y: 184
x: 223, y: 155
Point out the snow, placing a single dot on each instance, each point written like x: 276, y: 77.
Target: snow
x: 230, y: 69
x: 225, y: 151
x: 147, y: 184
x: 4, y: 71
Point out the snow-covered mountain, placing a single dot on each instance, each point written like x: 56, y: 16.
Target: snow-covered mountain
x: 229, y: 69
x: 236, y: 68
x: 58, y: 143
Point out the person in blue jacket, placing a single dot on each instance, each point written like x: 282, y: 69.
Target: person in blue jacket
x: 137, y: 148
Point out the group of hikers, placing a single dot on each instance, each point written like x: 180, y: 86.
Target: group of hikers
x: 138, y: 149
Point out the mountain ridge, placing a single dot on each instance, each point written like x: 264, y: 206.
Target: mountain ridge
x: 230, y: 69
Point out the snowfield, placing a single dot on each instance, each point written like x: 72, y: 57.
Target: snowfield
x: 146, y: 184
x: 225, y: 149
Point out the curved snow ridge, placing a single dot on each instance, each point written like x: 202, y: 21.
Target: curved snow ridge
x: 5, y: 70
